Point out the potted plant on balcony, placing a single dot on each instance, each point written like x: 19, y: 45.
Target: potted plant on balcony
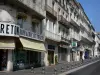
x: 21, y: 15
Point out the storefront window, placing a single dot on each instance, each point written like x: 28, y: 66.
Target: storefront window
x: 19, y: 59
x: 24, y: 59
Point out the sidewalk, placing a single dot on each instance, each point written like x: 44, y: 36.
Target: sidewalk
x: 60, y: 69
x: 76, y: 69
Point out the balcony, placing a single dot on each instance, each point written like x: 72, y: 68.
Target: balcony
x: 75, y: 24
x: 63, y: 21
x: 52, y: 36
x: 75, y: 36
x: 31, y: 35
x: 85, y: 38
x: 51, y: 11
x: 65, y: 39
x: 14, y: 30
x: 33, y: 8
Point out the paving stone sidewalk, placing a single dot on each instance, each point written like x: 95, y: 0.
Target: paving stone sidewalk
x: 52, y: 70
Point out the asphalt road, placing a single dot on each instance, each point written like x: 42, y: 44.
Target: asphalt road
x: 93, y: 69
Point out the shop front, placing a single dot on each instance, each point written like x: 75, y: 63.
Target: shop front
x: 29, y: 55
x: 62, y: 52
x: 24, y: 59
x: 51, y: 51
x: 7, y: 47
x: 81, y: 55
x: 87, y: 54
x: 74, y: 54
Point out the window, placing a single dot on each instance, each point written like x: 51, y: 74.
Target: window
x: 63, y: 2
x: 66, y: 16
x: 58, y: 9
x: 34, y: 1
x: 51, y: 47
x: 53, y: 3
x: 77, y: 17
x: 63, y: 13
x: 74, y: 14
x: 70, y: 14
x: 72, y: 9
x: 34, y: 27
x: 63, y: 32
x: 59, y: 1
x: 59, y: 29
x: 67, y: 10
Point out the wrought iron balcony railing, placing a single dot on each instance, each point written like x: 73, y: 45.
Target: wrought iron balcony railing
x: 52, y: 36
x: 62, y: 20
x: 51, y: 10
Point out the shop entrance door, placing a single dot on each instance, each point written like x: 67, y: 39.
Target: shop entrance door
x: 81, y: 54
x: 51, y: 57
x: 3, y: 60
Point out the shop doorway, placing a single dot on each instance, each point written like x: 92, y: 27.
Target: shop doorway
x: 81, y: 55
x: 87, y: 54
x: 51, y: 57
x: 72, y: 56
x: 3, y: 60
x: 62, y: 53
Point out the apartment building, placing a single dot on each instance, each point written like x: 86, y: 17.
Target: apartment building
x: 97, y: 45
x: 43, y: 33
x: 87, y: 35
x: 21, y: 36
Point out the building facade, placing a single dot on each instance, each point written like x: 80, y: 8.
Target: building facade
x: 22, y: 39
x: 97, y: 45
x: 35, y: 33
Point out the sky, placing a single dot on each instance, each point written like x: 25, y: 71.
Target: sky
x: 92, y: 9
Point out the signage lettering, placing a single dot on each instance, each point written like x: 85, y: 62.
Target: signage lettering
x: 9, y: 29
x: 12, y: 27
x: 2, y: 28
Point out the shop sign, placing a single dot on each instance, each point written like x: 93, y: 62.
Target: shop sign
x: 74, y: 44
x: 7, y: 29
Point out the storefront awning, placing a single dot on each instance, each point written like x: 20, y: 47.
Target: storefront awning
x: 7, y: 44
x: 32, y: 45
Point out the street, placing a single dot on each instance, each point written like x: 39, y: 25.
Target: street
x: 89, y: 70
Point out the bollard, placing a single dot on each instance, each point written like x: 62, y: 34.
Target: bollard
x: 71, y: 66
x: 55, y: 71
x: 67, y: 67
x: 62, y: 69
x: 32, y: 69
x: 43, y: 70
